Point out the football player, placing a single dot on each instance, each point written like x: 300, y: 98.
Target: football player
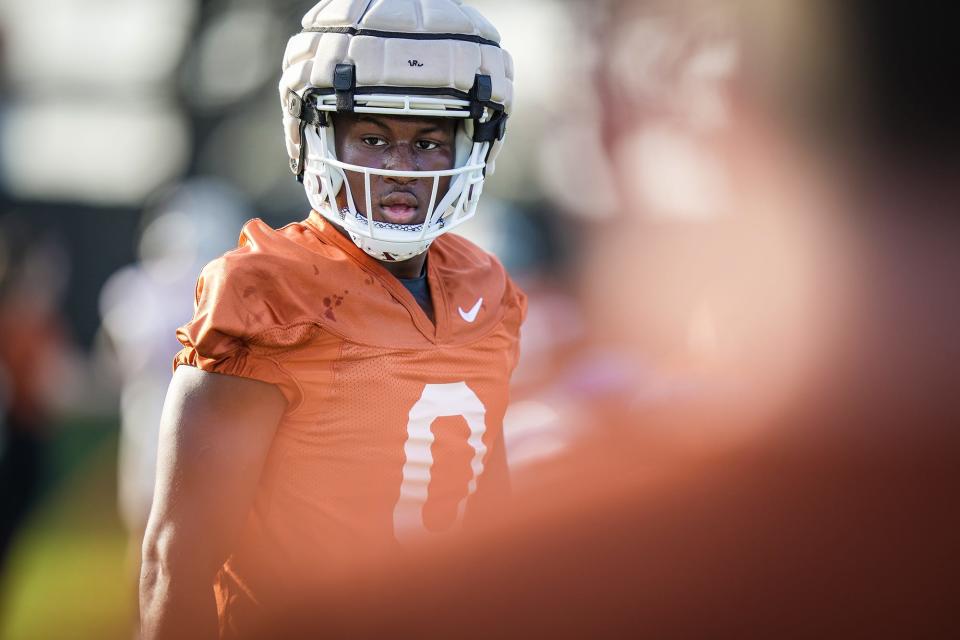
x: 342, y: 385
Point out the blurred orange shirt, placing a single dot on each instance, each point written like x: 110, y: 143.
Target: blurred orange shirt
x: 394, y: 424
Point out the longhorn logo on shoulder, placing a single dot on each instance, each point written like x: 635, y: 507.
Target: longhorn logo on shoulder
x: 471, y: 315
x: 414, y: 63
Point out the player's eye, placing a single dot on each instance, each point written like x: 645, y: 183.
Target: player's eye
x: 373, y: 141
x: 426, y: 145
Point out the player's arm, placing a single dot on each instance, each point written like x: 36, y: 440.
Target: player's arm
x: 215, y: 433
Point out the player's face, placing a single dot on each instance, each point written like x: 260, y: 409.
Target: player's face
x: 398, y: 143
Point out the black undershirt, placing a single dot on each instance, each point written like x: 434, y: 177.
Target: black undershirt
x: 420, y: 291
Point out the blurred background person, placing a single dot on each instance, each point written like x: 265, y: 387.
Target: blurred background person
x: 142, y: 305
x: 33, y: 339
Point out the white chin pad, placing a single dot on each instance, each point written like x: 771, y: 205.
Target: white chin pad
x: 390, y: 251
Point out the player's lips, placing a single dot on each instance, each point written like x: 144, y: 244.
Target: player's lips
x: 400, y: 207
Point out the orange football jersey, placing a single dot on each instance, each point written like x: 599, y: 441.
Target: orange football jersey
x: 394, y: 424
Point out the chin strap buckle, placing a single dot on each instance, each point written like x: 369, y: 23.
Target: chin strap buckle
x: 344, y: 82
x: 481, y: 96
x: 493, y: 129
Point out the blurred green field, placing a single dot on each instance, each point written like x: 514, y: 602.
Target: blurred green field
x: 67, y: 575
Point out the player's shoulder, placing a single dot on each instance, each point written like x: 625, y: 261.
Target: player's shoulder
x: 253, y: 269
x: 275, y: 279
x: 457, y: 257
x: 260, y: 250
x: 279, y: 258
x: 476, y: 281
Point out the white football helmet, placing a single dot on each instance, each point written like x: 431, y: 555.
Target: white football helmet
x: 425, y: 58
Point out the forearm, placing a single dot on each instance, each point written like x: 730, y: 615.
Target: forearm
x: 176, y: 600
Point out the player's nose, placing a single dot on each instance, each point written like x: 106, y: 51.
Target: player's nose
x: 400, y: 158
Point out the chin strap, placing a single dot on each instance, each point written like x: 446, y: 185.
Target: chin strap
x: 308, y: 116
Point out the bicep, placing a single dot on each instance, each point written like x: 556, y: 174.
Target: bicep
x: 215, y: 434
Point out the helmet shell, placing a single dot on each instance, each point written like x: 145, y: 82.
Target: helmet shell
x: 433, y: 45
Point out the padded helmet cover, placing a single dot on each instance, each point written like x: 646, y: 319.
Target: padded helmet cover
x: 350, y: 31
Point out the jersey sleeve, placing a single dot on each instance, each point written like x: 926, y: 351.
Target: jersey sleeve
x: 226, y: 333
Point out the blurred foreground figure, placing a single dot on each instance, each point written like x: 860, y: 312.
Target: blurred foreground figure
x: 342, y: 384
x: 803, y: 484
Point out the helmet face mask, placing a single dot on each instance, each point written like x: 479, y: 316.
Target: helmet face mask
x: 346, y: 62
x: 325, y: 177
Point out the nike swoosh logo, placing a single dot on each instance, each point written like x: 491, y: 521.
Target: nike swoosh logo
x: 471, y: 315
